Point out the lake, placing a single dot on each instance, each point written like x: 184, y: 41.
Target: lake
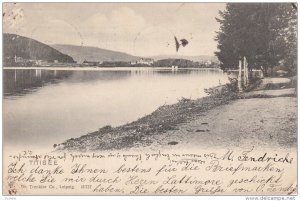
x: 43, y: 107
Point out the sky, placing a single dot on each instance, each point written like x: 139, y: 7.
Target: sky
x: 141, y: 29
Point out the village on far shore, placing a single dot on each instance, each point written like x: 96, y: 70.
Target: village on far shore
x: 20, y: 51
x: 140, y: 62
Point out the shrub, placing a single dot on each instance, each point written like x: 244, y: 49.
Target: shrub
x: 229, y: 90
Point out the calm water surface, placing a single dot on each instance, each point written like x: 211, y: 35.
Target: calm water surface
x: 43, y: 107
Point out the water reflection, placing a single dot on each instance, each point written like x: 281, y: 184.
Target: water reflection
x: 43, y: 107
x: 18, y: 82
x: 92, y: 76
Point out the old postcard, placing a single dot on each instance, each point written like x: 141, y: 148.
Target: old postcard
x: 150, y: 99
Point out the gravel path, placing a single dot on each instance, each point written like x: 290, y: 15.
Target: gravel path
x: 259, y: 122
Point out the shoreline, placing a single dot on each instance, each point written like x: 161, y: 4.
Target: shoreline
x: 105, y: 68
x: 163, y: 119
x: 172, y: 126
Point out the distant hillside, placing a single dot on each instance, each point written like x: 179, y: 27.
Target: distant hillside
x: 27, y: 48
x: 192, y: 58
x: 81, y: 53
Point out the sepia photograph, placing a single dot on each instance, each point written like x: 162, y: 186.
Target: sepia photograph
x: 149, y: 99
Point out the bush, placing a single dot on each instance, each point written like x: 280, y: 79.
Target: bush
x: 229, y: 90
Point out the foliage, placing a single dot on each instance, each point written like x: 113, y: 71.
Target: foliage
x: 264, y: 33
x: 184, y: 100
x: 229, y: 90
x: 174, y: 62
x: 183, y: 63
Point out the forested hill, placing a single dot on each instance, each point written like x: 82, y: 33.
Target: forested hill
x: 27, y: 48
x: 81, y: 53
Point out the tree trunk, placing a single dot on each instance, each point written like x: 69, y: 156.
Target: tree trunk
x: 245, y: 65
x: 240, y: 76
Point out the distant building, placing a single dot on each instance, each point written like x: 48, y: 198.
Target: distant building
x: 207, y: 63
x: 146, y: 61
x: 133, y: 62
x: 91, y: 63
x: 40, y: 62
x: 143, y: 61
x: 19, y: 59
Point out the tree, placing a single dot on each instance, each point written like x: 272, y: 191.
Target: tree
x: 289, y: 34
x: 264, y: 33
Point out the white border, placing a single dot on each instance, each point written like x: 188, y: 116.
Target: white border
x: 133, y: 198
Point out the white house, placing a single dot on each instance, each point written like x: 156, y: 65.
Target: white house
x: 144, y: 61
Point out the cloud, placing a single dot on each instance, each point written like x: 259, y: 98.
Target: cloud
x: 127, y: 19
x: 97, y: 20
x: 120, y: 20
x: 57, y: 31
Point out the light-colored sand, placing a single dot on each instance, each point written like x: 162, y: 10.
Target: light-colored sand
x: 259, y: 122
x: 275, y: 92
x: 275, y: 80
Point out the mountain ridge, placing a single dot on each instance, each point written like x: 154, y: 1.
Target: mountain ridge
x: 89, y: 53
